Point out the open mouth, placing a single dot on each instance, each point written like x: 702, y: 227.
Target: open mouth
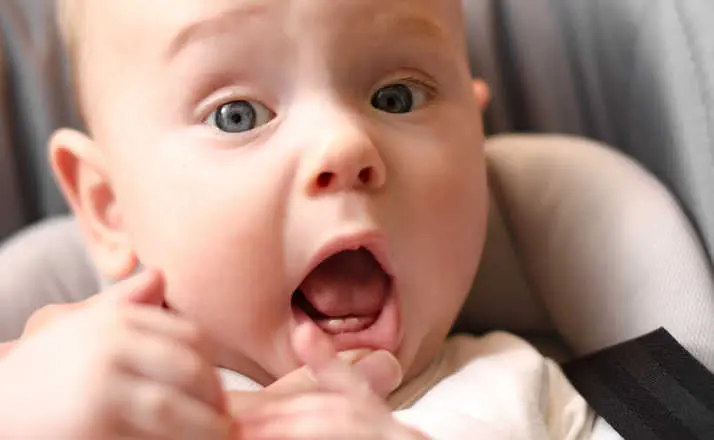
x: 349, y: 296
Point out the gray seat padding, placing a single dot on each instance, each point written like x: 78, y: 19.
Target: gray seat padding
x: 45, y: 264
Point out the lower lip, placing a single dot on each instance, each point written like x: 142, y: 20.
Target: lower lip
x: 382, y: 335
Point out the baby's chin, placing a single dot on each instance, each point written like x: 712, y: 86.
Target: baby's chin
x: 416, y: 356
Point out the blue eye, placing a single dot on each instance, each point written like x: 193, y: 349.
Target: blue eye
x: 240, y: 116
x: 398, y: 98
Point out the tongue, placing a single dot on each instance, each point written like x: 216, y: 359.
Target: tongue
x: 349, y: 284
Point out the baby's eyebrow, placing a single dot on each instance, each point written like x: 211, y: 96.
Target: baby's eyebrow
x: 413, y: 24
x: 213, y: 25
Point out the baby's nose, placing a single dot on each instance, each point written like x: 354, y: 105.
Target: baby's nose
x: 346, y: 159
x: 327, y: 179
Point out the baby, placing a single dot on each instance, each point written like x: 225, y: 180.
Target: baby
x: 307, y: 177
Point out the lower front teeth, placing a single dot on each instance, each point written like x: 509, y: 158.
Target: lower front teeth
x: 345, y: 325
x: 342, y: 323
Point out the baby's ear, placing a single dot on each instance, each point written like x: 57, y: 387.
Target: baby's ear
x: 483, y: 94
x: 81, y: 172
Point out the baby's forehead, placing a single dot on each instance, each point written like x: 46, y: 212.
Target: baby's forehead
x: 164, y: 21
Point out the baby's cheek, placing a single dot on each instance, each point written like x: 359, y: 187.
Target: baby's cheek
x: 217, y: 279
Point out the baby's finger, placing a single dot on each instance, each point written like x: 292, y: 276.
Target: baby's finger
x: 152, y: 410
x: 310, y: 416
x: 48, y: 314
x: 295, y: 405
x: 313, y: 347
x: 322, y: 416
x: 172, y: 364
x: 303, y: 381
x: 149, y: 288
x: 290, y: 418
x: 300, y: 381
x: 160, y: 322
x: 318, y: 353
x: 145, y: 288
x: 292, y: 427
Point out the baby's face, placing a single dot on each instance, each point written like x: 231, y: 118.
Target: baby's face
x: 290, y: 160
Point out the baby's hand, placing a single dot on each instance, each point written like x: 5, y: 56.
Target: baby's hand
x: 380, y: 368
x: 50, y: 313
x: 113, y: 369
x: 344, y: 406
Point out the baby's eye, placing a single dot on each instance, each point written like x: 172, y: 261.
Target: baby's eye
x: 399, y: 98
x: 240, y: 116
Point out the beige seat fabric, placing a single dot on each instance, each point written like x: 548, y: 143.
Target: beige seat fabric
x: 605, y: 249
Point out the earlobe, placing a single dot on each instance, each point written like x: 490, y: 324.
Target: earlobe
x: 80, y: 170
x: 482, y: 93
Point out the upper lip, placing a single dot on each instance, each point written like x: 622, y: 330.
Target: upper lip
x: 372, y: 241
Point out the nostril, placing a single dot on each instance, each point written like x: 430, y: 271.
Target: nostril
x: 365, y: 176
x: 324, y: 180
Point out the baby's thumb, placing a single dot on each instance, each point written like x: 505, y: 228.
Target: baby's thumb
x: 382, y: 370
x: 146, y: 288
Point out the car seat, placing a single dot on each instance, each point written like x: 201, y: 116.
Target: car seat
x: 591, y: 242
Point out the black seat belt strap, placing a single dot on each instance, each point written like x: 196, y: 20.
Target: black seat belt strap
x: 648, y: 388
